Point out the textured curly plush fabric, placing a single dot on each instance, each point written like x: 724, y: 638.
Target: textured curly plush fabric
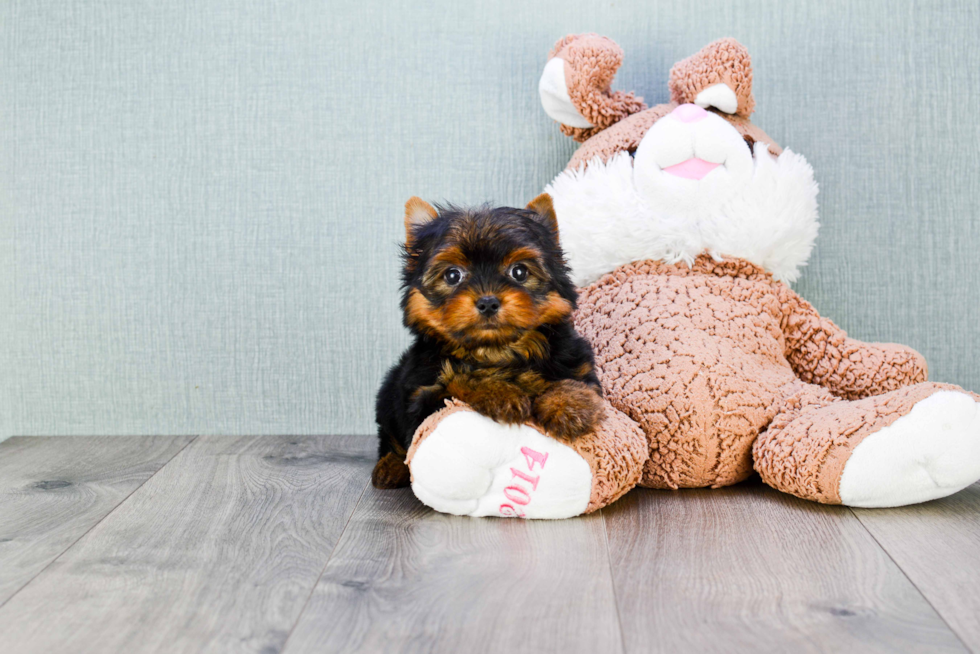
x: 807, y: 444
x: 627, y: 134
x: 821, y: 353
x: 720, y: 367
x: 615, y: 452
x: 622, y: 119
x: 623, y: 136
x: 725, y: 61
x: 591, y: 62
x: 705, y: 358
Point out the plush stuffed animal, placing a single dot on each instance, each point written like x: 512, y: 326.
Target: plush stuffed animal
x: 684, y: 224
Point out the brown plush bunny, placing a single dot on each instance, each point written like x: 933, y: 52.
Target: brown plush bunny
x: 683, y: 225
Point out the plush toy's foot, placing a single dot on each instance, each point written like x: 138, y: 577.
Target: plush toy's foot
x: 931, y: 452
x: 911, y: 445
x: 471, y: 465
x: 466, y: 464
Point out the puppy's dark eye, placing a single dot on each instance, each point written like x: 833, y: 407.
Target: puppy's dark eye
x: 519, y: 273
x: 453, y: 276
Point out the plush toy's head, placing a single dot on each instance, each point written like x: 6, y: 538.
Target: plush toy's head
x: 675, y: 180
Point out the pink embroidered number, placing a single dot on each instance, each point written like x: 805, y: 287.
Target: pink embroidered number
x: 508, y: 511
x: 528, y: 478
x: 517, y: 493
x: 533, y: 457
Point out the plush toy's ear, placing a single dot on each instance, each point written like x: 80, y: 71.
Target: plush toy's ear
x: 574, y: 86
x: 545, y: 209
x: 417, y: 212
x: 718, y: 76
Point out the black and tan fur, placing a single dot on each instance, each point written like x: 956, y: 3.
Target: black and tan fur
x: 522, y: 363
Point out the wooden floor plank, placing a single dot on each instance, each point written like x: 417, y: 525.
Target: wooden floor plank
x: 407, y: 579
x: 937, y: 545
x: 748, y: 569
x: 53, y: 490
x: 218, y: 552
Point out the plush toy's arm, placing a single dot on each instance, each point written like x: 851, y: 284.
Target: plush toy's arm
x: 821, y: 353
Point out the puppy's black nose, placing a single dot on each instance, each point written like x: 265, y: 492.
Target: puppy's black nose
x: 488, y: 305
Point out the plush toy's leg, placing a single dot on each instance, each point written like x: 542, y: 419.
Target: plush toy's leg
x: 467, y: 464
x: 914, y: 444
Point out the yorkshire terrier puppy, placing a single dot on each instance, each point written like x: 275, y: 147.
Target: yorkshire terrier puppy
x: 487, y: 296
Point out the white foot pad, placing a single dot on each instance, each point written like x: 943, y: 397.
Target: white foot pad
x: 471, y: 465
x: 932, y: 452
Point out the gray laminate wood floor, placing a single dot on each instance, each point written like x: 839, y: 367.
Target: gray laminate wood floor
x: 279, y: 544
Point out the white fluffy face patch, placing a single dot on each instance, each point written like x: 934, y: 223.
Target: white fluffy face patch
x: 693, y: 187
x: 691, y: 160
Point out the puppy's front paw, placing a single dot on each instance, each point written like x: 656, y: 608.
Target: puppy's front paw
x: 498, y: 400
x: 508, y: 406
x: 390, y: 472
x: 569, y: 409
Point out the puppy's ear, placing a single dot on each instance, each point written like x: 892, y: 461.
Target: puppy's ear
x: 417, y: 213
x: 543, y: 206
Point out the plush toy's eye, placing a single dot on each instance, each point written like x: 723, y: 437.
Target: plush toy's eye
x: 453, y: 276
x: 519, y: 273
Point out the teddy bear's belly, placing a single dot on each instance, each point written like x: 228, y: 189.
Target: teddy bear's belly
x: 697, y: 361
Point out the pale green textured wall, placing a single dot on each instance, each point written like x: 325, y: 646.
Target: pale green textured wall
x: 200, y: 199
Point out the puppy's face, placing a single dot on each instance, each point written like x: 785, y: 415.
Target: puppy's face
x: 484, y: 277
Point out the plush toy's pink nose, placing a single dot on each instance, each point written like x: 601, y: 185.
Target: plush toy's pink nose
x: 689, y: 113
